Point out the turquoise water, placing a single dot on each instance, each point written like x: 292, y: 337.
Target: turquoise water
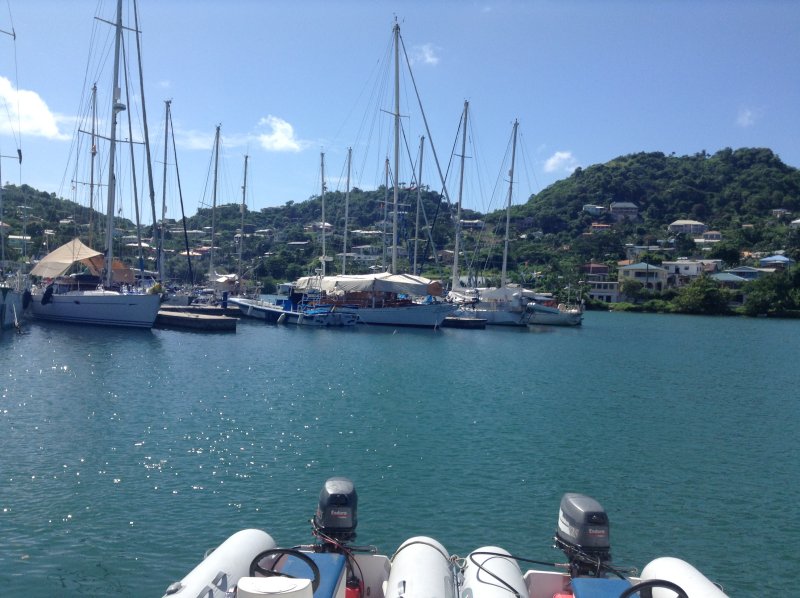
x: 127, y: 454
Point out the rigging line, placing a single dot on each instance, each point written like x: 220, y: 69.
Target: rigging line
x: 95, y: 49
x: 425, y: 120
x: 530, y: 172
x: 378, y: 68
x: 13, y: 35
x: 482, y: 233
x: 180, y: 194
x: 133, y: 159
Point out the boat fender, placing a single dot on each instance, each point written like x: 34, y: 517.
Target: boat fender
x: 281, y: 318
x: 48, y: 294
x: 421, y: 568
x: 222, y: 568
x: 694, y: 583
x: 491, y: 572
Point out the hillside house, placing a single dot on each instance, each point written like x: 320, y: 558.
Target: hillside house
x: 624, y: 210
x: 749, y: 273
x: 601, y: 288
x: 682, y: 272
x: 593, y: 209
x: 690, y: 227
x: 776, y: 261
x: 653, y: 278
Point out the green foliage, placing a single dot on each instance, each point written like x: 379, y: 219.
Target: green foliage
x: 725, y: 190
x: 550, y: 234
x: 702, y: 296
x: 774, y: 294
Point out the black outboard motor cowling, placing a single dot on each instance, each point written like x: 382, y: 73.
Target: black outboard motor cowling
x: 337, y: 512
x: 583, y: 534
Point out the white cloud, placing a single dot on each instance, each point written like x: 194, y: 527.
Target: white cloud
x: 747, y: 117
x: 425, y: 54
x: 280, y: 137
x: 28, y: 114
x: 561, y: 162
x: 194, y: 140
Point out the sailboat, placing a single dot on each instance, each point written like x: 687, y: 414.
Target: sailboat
x: 306, y: 306
x: 106, y: 295
x: 13, y: 295
x: 386, y: 298
x: 509, y: 304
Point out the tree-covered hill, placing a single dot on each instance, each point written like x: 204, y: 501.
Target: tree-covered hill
x: 733, y: 191
x: 722, y: 190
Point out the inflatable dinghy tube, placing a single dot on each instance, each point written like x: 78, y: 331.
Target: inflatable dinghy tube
x: 421, y: 568
x: 679, y: 572
x: 491, y: 572
x: 222, y: 569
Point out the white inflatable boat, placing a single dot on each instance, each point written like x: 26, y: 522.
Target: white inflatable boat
x: 250, y: 564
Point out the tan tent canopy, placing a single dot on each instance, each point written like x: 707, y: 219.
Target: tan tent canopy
x: 59, y: 261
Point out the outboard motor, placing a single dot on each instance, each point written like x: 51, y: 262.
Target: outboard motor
x: 583, y: 535
x: 336, y: 515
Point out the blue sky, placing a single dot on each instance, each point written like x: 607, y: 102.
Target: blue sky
x: 286, y: 80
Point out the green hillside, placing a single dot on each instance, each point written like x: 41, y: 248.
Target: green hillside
x: 732, y: 191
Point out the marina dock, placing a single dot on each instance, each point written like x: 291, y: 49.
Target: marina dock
x: 200, y: 318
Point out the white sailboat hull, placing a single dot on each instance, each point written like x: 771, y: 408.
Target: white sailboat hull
x: 10, y: 307
x: 100, y: 308
x: 418, y: 315
x: 552, y: 316
x: 498, y: 316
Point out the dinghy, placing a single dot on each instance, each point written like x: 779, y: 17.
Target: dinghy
x: 250, y: 563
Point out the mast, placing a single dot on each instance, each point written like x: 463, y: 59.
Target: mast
x: 180, y: 195
x: 346, y: 210
x: 116, y: 107
x: 134, y: 179
x: 455, y: 282
x: 214, y: 205
x: 385, y: 211
x: 151, y: 185
x: 396, y: 140
x: 322, y: 176
x: 419, y: 203
x: 167, y: 104
x: 508, y: 206
x: 13, y: 35
x: 241, y: 228
x: 91, y: 163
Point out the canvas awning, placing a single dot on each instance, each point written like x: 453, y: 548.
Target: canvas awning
x: 59, y: 260
x: 383, y: 282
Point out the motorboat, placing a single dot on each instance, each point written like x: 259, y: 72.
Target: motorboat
x: 284, y: 313
x: 250, y: 563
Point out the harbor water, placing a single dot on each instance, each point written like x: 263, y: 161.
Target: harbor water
x: 127, y: 454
